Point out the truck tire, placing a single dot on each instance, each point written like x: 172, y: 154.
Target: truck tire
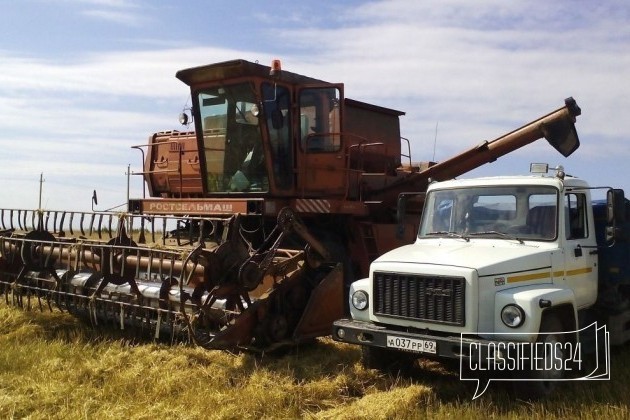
x: 544, y: 380
x: 386, y: 360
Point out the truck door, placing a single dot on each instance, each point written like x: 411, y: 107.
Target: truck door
x: 321, y: 152
x: 580, y: 252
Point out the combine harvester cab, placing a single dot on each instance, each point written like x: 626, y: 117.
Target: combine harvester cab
x: 253, y: 224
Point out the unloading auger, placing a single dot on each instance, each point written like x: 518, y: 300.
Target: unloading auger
x: 209, y: 284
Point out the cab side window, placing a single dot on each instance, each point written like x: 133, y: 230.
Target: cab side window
x: 320, y: 119
x: 575, y: 216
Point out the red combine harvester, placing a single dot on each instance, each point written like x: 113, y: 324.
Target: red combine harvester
x: 255, y: 222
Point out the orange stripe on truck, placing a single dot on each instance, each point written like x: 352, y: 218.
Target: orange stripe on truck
x: 547, y: 275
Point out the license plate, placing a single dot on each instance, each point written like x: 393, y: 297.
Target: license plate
x: 412, y: 344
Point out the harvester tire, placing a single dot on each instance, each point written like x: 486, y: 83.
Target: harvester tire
x: 277, y: 328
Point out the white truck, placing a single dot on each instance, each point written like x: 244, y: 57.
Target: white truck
x: 498, y: 260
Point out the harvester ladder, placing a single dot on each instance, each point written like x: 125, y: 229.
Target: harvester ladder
x: 369, y: 241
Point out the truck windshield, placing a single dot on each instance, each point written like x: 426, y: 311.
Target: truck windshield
x: 232, y: 139
x: 516, y: 212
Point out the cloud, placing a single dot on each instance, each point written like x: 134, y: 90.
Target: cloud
x: 476, y: 69
x: 133, y: 73
x: 75, y: 121
x: 117, y: 16
x: 124, y: 4
x: 474, y: 66
x: 122, y: 12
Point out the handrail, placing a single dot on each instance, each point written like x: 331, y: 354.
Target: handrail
x: 180, y: 151
x: 107, y: 225
x: 408, y: 150
x: 361, y: 146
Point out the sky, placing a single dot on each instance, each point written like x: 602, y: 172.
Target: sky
x: 81, y: 81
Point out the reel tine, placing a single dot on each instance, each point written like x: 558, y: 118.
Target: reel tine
x: 48, y: 296
x: 158, y: 324
x: 39, y: 302
x: 6, y: 293
x: 122, y: 316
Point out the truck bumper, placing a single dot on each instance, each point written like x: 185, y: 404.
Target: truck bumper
x: 451, y: 347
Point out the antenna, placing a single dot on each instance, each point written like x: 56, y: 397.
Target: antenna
x: 128, y: 173
x: 435, y: 140
x: 41, y: 184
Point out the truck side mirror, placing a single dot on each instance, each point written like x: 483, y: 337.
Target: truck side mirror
x: 615, y: 205
x: 615, y: 215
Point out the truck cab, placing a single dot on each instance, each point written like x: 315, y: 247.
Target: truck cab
x: 494, y: 257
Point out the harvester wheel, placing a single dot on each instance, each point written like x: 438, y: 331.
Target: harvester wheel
x: 277, y: 328
x: 250, y: 276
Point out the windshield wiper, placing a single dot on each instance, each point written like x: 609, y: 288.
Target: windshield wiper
x: 496, y: 232
x: 449, y: 234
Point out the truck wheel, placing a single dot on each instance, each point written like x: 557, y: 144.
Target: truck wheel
x: 546, y: 373
x: 386, y: 360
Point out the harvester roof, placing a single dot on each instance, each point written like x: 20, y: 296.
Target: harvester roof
x: 243, y: 68
x: 239, y: 68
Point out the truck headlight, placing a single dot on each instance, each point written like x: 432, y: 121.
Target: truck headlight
x: 512, y: 315
x: 360, y: 300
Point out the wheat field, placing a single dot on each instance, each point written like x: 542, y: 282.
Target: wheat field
x: 53, y: 366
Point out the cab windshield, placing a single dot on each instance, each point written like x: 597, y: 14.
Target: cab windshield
x: 516, y: 212
x: 232, y: 139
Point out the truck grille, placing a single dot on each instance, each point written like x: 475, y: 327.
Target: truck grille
x: 422, y: 298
